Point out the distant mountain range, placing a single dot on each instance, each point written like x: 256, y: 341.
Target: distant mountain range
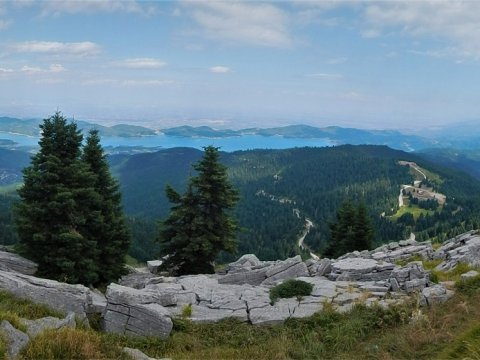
x: 30, y: 127
x: 461, y: 136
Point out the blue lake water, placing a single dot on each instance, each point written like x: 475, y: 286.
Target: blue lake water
x: 245, y: 142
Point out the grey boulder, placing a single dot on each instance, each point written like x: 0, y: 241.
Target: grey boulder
x: 35, y: 327
x: 59, y: 296
x: 135, y: 313
x: 15, y: 339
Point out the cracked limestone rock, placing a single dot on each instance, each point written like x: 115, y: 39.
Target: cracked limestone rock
x: 59, y: 296
x: 135, y: 313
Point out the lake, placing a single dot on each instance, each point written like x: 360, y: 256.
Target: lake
x: 245, y: 142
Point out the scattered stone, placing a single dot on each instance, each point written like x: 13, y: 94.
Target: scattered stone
x: 435, y: 295
x: 15, y: 339
x: 154, y: 265
x: 35, y: 327
x: 136, y: 280
x: 136, y: 354
x: 468, y: 275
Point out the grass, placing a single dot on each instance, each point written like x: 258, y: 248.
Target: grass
x: 24, y: 308
x: 447, y: 331
x: 469, y: 286
x: 129, y: 260
x: 415, y: 210
x: 75, y: 344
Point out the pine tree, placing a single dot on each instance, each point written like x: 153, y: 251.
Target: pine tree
x: 57, y: 191
x: 199, y: 225
x: 363, y: 229
x: 107, y: 224
x: 351, y: 231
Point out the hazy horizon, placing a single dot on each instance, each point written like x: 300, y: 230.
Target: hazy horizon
x: 224, y: 64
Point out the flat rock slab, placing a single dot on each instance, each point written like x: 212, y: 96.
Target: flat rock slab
x: 276, y: 314
x: 13, y: 262
x: 358, y: 265
x: 203, y: 314
x: 59, y: 296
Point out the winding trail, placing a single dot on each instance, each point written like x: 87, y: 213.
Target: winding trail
x: 301, y: 239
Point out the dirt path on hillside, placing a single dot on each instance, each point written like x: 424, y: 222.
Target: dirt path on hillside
x: 301, y: 239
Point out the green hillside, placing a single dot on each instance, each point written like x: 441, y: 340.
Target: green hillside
x: 276, y: 185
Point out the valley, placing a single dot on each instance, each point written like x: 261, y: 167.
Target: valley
x: 284, y: 191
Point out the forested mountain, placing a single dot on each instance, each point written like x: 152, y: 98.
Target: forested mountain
x: 279, y: 188
x: 462, y: 159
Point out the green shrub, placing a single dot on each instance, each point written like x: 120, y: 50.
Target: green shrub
x: 468, y: 286
x: 187, y: 311
x: 290, y: 288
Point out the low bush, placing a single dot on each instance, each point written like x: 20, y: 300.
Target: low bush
x: 290, y: 288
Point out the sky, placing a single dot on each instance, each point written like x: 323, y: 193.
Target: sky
x: 236, y: 64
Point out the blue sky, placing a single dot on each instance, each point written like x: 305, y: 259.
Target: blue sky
x: 236, y: 64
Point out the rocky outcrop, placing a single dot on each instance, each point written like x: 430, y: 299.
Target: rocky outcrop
x: 360, y: 269
x: 464, y: 248
x: 59, y: 296
x: 409, y: 278
x: 136, y: 312
x: 249, y: 270
x: 13, y: 262
x: 395, y: 251
x: 144, y: 304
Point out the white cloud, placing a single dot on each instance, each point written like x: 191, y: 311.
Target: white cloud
x: 325, y: 76
x: 146, y: 82
x: 336, y: 61
x: 97, y: 81
x: 260, y: 24
x: 371, y: 33
x: 141, y: 63
x: 458, y: 22
x: 53, y: 68
x: 59, y: 7
x: 219, y: 69
x: 4, y: 24
x: 5, y: 71
x: 84, y: 48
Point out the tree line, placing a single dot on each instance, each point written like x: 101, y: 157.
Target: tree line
x: 69, y: 218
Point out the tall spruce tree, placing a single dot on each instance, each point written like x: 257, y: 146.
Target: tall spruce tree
x: 363, y: 229
x: 55, y: 198
x: 106, y: 225
x: 352, y: 230
x: 199, y: 225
